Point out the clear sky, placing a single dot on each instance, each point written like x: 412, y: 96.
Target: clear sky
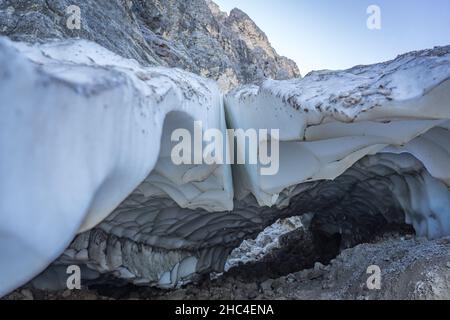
x: 333, y: 34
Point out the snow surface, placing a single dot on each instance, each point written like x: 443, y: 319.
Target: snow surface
x: 328, y: 120
x: 80, y: 130
x: 84, y: 140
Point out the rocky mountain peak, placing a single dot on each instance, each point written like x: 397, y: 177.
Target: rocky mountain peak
x: 215, y: 10
x: 247, y: 30
x: 194, y: 35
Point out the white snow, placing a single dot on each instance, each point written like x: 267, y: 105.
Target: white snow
x: 329, y: 120
x: 80, y: 130
x: 83, y: 131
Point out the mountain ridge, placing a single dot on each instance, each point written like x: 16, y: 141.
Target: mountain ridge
x: 194, y: 35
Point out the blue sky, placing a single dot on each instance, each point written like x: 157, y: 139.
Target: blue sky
x: 333, y: 34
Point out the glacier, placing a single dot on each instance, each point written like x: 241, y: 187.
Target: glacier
x: 87, y: 179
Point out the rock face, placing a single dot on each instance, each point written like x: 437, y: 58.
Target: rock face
x: 193, y: 35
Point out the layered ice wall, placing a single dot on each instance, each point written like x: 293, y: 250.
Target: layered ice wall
x: 329, y: 120
x: 81, y: 128
x: 86, y: 173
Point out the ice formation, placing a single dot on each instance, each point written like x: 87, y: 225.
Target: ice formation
x: 86, y: 174
x: 84, y: 123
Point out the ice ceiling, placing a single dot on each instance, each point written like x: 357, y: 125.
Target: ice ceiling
x: 86, y: 176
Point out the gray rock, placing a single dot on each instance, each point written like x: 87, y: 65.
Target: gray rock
x: 266, y: 285
x: 277, y: 283
x: 27, y: 294
x: 193, y: 35
x: 66, y: 294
